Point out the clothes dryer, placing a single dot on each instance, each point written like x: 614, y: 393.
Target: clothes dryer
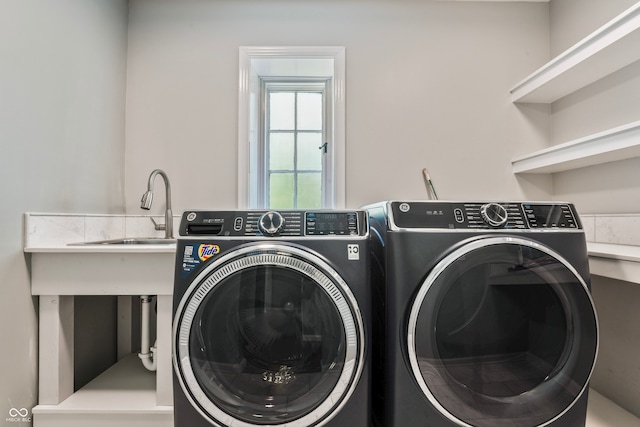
x: 271, y: 319
x: 486, y: 315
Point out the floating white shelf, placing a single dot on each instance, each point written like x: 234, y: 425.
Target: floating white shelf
x: 606, y: 50
x: 619, y: 143
x: 621, y: 262
x: 125, y: 394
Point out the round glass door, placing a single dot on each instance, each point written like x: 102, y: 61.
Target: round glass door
x: 503, y: 332
x: 267, y: 335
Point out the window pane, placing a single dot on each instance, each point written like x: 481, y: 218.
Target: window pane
x: 281, y: 191
x: 281, y: 110
x: 310, y: 190
x: 309, y: 111
x: 281, y: 151
x: 309, y: 151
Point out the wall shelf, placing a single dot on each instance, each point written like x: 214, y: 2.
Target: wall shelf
x: 619, y: 143
x: 621, y: 262
x: 606, y: 50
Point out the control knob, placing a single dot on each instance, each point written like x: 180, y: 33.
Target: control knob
x: 494, y: 214
x: 271, y: 223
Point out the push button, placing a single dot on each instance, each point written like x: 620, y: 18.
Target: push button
x: 459, y: 215
x: 237, y: 224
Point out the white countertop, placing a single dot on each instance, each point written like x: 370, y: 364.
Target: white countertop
x: 614, y: 251
x: 87, y: 249
x: 48, y: 233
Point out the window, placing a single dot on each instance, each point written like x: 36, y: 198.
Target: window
x: 294, y: 144
x: 291, y: 128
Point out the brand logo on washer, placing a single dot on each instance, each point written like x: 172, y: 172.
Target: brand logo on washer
x: 206, y: 251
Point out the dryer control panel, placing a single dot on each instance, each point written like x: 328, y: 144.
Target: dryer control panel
x: 273, y: 223
x: 484, y: 215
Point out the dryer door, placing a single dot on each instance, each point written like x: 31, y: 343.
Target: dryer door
x: 268, y: 335
x: 503, y: 332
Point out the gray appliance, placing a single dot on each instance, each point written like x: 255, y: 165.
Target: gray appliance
x: 484, y: 314
x: 271, y: 319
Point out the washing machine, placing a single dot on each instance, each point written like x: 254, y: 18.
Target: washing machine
x: 485, y: 314
x: 272, y: 319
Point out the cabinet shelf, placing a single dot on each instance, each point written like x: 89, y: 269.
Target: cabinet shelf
x: 125, y: 394
x: 603, y: 52
x: 621, y: 262
x: 619, y: 143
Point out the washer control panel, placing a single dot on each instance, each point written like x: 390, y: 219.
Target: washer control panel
x: 274, y: 223
x: 484, y: 215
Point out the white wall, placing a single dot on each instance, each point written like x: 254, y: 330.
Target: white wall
x: 608, y: 188
x: 62, y: 82
x: 427, y: 86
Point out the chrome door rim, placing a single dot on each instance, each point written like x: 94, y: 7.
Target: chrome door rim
x: 285, y: 256
x: 440, y: 267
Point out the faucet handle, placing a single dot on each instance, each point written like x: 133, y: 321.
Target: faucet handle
x: 158, y: 227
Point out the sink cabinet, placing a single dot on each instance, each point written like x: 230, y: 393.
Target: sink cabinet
x: 126, y: 393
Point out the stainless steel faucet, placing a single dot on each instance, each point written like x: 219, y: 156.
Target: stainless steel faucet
x: 147, y: 199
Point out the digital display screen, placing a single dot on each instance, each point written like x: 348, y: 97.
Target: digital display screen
x: 549, y: 216
x: 323, y: 223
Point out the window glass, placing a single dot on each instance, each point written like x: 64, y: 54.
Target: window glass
x: 281, y: 149
x: 281, y: 191
x: 282, y: 110
x: 309, y: 153
x: 311, y: 197
x: 309, y: 111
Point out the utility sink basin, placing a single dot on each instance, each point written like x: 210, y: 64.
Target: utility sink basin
x: 129, y: 241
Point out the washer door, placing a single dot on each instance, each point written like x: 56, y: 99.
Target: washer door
x: 268, y: 335
x: 503, y: 332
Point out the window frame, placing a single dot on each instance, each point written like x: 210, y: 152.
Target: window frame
x: 297, y: 85
x: 249, y: 110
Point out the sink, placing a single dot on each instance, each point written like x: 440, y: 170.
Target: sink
x: 128, y: 241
